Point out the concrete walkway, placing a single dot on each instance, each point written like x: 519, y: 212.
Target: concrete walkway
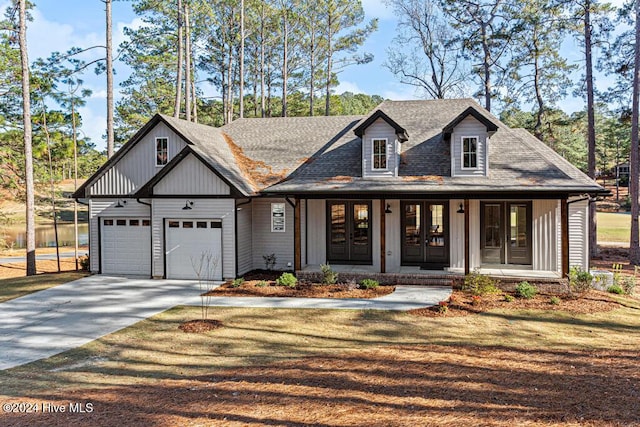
x: 67, y: 316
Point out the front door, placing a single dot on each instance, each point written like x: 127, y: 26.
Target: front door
x: 425, y: 234
x: 505, y: 233
x: 349, y: 232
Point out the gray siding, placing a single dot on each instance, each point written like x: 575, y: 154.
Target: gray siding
x: 456, y: 236
x: 138, y: 166
x: 266, y: 242
x: 545, y: 229
x: 191, y: 176
x: 303, y: 232
x: 223, y: 209
x: 393, y: 236
x: 100, y: 208
x: 245, y: 241
x: 578, y: 234
x: 474, y: 231
x: 469, y: 127
x: 316, y: 232
x: 379, y: 129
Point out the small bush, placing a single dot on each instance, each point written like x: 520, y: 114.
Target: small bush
x: 579, y: 282
x: 526, y: 290
x: 509, y: 298
x: 615, y: 289
x: 236, y: 283
x: 329, y: 277
x: 84, y: 262
x: 287, y: 279
x: 261, y: 284
x: 478, y: 284
x: 555, y: 300
x: 368, y: 284
x: 627, y: 283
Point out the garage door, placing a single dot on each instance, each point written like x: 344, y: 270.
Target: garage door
x: 126, y: 246
x: 193, y: 248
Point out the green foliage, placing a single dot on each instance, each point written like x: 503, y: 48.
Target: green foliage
x: 526, y: 290
x: 287, y: 279
x: 269, y: 261
x: 615, y: 289
x: 555, y: 300
x: 479, y: 284
x: 261, y: 284
x: 329, y: 277
x: 236, y: 283
x: 443, y: 307
x: 368, y: 284
x: 509, y: 298
x: 627, y: 283
x: 579, y: 282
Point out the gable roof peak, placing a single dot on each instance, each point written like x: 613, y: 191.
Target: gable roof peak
x: 379, y: 114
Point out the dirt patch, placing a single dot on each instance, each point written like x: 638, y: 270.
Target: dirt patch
x: 423, y: 178
x: 384, y: 386
x: 262, y: 288
x: 463, y: 304
x: 19, y: 269
x: 201, y: 325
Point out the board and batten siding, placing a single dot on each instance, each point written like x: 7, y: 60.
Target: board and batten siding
x: 245, y: 240
x: 469, y: 127
x: 393, y: 237
x: 191, y: 177
x: 105, y: 208
x: 474, y: 238
x: 578, y: 234
x: 378, y: 130
x: 546, y: 232
x: 303, y: 233
x: 456, y: 236
x: 316, y: 232
x: 266, y: 242
x: 207, y: 209
x: 138, y: 166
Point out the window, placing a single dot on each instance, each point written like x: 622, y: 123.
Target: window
x: 469, y: 152
x: 201, y: 224
x: 277, y: 218
x: 161, y: 151
x: 379, y: 154
x: 146, y: 222
x: 121, y: 222
x: 216, y: 224
x: 134, y: 222
x: 108, y: 222
x: 174, y: 224
x: 187, y: 224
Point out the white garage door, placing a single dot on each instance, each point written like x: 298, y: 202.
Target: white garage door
x: 126, y: 246
x: 193, y: 248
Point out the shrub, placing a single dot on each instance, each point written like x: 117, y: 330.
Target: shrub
x: 627, y: 283
x: 478, y: 284
x: 287, y: 279
x: 368, y: 284
x: 579, y: 282
x: 526, y: 290
x: 555, y: 300
x: 236, y: 283
x: 84, y: 262
x: 615, y: 289
x: 329, y: 277
x: 261, y: 284
x: 269, y: 261
x: 443, y: 307
x: 508, y: 298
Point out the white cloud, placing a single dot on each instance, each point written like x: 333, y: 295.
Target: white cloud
x: 345, y: 86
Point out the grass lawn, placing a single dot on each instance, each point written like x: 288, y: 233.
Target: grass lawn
x: 19, y: 286
x: 614, y: 227
x: 333, y: 367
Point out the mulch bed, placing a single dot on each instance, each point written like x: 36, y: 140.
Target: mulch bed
x: 199, y: 326
x: 384, y: 386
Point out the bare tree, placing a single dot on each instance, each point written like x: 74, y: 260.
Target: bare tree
x: 109, y: 65
x: 634, y: 244
x: 241, y: 88
x: 179, y: 48
x: 187, y: 63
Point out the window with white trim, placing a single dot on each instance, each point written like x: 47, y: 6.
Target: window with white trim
x: 379, y: 153
x: 277, y: 218
x: 161, y: 151
x: 469, y: 152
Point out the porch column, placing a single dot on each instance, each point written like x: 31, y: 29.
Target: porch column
x: 383, y: 244
x: 467, y: 262
x: 297, y: 240
x: 564, y: 229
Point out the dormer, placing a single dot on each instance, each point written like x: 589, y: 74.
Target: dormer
x: 469, y: 135
x: 381, y: 138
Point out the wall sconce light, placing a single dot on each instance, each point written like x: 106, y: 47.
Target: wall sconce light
x: 388, y: 210
x: 121, y: 203
x: 460, y: 209
x: 187, y: 205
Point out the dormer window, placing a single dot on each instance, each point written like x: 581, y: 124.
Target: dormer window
x: 379, y: 153
x: 469, y: 152
x: 161, y: 151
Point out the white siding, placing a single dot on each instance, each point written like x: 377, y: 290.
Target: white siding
x: 375, y: 234
x: 456, y: 236
x: 379, y: 129
x: 191, y: 176
x: 266, y: 242
x: 474, y: 234
x: 469, y: 127
x: 222, y: 209
x: 546, y: 244
x: 245, y: 241
x: 578, y: 234
x: 316, y: 232
x: 105, y: 208
x: 303, y: 232
x: 138, y: 165
x: 393, y: 236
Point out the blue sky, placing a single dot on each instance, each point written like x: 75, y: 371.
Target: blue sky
x: 61, y: 24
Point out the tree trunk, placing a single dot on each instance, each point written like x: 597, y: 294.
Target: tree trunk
x: 537, y: 129
x: 262, y: 69
x: 241, y: 88
x: 486, y: 65
x: 178, y: 101
x: 591, y: 127
x: 285, y: 59
x: 187, y: 63
x: 312, y: 67
x: 634, y: 244
x: 110, y: 136
x: 28, y: 149
x: 194, y: 99
x: 327, y: 95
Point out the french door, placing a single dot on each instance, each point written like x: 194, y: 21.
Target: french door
x: 505, y: 232
x: 349, y: 232
x: 425, y: 234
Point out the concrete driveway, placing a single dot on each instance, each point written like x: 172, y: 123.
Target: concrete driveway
x: 49, y: 322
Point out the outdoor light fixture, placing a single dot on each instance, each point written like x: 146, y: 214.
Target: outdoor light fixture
x: 460, y: 209
x: 388, y: 210
x: 121, y: 203
x: 187, y: 205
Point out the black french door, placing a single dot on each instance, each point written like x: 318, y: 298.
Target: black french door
x: 505, y: 232
x: 349, y: 232
x: 425, y: 234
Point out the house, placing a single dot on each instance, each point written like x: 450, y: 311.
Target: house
x: 414, y: 186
